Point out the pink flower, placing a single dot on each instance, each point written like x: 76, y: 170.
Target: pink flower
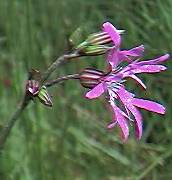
x: 131, y: 105
x: 112, y: 85
x: 115, y: 56
x: 137, y: 67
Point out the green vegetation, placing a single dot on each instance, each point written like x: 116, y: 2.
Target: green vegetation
x: 70, y: 140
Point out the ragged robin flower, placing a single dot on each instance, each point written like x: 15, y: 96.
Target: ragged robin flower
x: 115, y: 55
x: 113, y: 85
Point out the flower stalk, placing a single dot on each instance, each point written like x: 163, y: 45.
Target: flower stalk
x: 6, y: 130
x: 123, y: 104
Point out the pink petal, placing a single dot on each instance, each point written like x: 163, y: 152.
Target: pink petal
x: 127, y: 55
x: 112, y: 124
x: 121, y: 122
x: 138, y: 118
x: 112, y: 57
x: 135, y: 52
x: 123, y: 57
x: 147, y: 69
x: 113, y: 33
x: 149, y: 105
x: 96, y: 91
x: 124, y: 95
x: 138, y: 80
x: 115, y: 57
x: 126, y: 99
x: 158, y: 60
x: 31, y: 90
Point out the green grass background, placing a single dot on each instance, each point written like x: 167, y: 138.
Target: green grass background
x: 70, y: 141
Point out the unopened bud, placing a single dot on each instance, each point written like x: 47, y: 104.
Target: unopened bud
x: 94, y: 50
x: 90, y: 77
x: 32, y: 87
x: 100, y: 38
x: 44, y: 97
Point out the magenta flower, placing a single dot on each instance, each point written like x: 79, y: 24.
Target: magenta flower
x: 115, y: 55
x: 131, y: 105
x: 113, y: 85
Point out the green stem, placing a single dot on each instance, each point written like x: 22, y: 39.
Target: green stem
x: 8, y: 126
x: 5, y: 132
x: 61, y: 79
x: 56, y: 64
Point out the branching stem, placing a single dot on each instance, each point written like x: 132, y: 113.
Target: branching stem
x: 61, y: 79
x: 5, y: 132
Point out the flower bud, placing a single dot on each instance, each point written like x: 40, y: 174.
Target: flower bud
x: 94, y: 50
x: 44, y: 97
x: 90, y: 77
x: 32, y: 87
x: 95, y: 39
x: 100, y: 38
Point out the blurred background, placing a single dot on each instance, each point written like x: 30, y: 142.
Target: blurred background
x: 70, y: 140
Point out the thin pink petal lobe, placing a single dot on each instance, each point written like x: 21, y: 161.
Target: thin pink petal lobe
x: 149, y: 105
x: 121, y: 122
x: 113, y: 33
x: 96, y: 91
x: 158, y: 60
x: 126, y: 99
x: 135, y: 52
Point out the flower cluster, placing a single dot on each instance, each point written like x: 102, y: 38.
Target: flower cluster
x: 125, y: 106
